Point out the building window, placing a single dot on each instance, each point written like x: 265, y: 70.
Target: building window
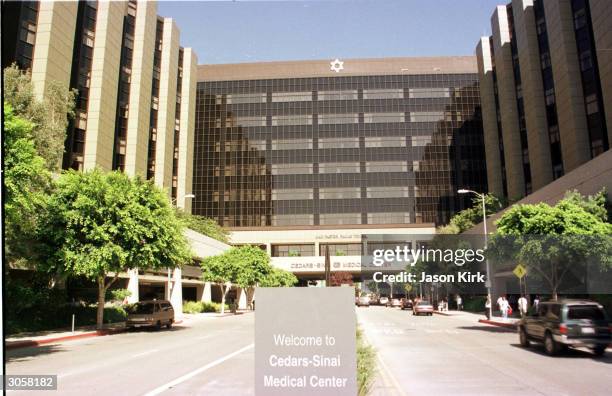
x: 291, y: 194
x: 419, y: 93
x: 292, y: 220
x: 339, y: 167
x: 387, y: 166
x: 338, y: 118
x: 383, y: 93
x: 385, y: 141
x: 305, y: 96
x: 387, y: 192
x: 339, y: 218
x: 370, y: 118
x: 340, y: 249
x: 292, y: 169
x: 329, y: 143
x: 291, y: 144
x: 305, y: 119
x: 305, y: 250
x: 426, y: 116
x: 337, y: 95
x: 339, y: 193
x: 389, y: 218
x: 246, y: 98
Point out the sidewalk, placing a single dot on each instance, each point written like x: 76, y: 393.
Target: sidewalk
x: 34, y: 339
x: 480, y: 317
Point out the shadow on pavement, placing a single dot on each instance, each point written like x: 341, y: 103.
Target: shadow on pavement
x: 488, y: 328
x: 155, y: 330
x: 21, y: 354
x: 570, y: 353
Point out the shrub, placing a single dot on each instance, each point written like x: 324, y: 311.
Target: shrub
x: 366, y: 365
x: 118, y: 294
x: 202, y: 306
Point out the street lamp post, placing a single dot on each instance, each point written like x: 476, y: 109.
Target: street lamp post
x: 486, y: 241
x: 173, y: 203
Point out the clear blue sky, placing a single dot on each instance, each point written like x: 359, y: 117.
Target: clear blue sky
x: 250, y: 31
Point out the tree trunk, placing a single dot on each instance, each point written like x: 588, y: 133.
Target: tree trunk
x: 101, y: 295
x: 249, y: 294
x: 224, y: 290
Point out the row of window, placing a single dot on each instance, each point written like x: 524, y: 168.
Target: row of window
x: 307, y: 96
x: 342, y: 218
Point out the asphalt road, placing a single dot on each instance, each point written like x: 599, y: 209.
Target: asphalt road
x: 455, y: 355
x: 418, y: 355
x: 211, y: 356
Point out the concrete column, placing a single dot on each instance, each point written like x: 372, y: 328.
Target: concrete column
x: 164, y: 148
x: 538, y: 141
x: 100, y: 134
x: 507, y: 104
x: 133, y: 284
x: 317, y: 248
x: 571, y: 112
x: 242, y: 301
x: 489, y: 117
x: 187, y: 131
x: 176, y: 294
x: 601, y: 15
x: 55, y: 29
x: 269, y: 249
x: 206, y: 292
x: 137, y: 142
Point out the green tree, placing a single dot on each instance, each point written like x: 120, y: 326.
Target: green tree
x: 468, y: 218
x: 220, y: 270
x: 253, y: 267
x: 50, y: 116
x: 103, y: 223
x: 26, y: 183
x: 279, y: 278
x: 554, y: 240
x: 203, y: 225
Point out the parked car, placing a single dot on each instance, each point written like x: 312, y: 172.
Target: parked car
x: 394, y: 303
x: 383, y: 301
x: 407, y: 303
x: 151, y: 313
x: 423, y: 307
x: 567, y: 323
x: 363, y: 301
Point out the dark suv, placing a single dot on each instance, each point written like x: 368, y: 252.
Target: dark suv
x: 567, y: 323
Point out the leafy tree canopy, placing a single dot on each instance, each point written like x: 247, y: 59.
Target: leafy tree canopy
x: 203, y: 225
x: 279, y: 278
x: 108, y: 222
x: 48, y: 116
x: 27, y: 183
x: 468, y: 218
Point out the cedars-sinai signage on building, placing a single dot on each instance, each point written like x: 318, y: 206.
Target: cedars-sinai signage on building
x: 305, y: 341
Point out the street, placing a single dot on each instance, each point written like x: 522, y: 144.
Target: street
x: 443, y: 355
x: 437, y: 355
x: 213, y: 356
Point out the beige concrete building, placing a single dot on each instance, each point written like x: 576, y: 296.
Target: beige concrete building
x: 136, y: 85
x: 545, y: 76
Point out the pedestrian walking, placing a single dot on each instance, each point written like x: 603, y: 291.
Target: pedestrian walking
x: 536, y: 302
x: 504, y: 307
x: 522, y: 305
x: 488, y: 307
x: 459, y: 303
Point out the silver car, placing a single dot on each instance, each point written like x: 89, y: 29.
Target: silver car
x: 156, y: 313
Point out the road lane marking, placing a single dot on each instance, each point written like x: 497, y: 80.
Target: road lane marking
x: 145, y: 353
x: 195, y: 372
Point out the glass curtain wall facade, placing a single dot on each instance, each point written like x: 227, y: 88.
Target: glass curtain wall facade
x: 385, y: 149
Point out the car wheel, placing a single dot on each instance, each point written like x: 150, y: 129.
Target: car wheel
x: 169, y: 325
x: 523, y: 337
x: 158, y: 325
x: 599, y: 350
x: 550, y: 345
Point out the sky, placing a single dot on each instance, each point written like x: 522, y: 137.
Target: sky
x: 258, y: 31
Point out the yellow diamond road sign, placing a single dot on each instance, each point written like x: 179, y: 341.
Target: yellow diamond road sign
x: 520, y: 271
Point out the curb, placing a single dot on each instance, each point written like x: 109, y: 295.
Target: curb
x: 499, y: 324
x: 37, y: 343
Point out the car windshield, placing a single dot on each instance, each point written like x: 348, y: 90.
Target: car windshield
x: 424, y: 303
x: 143, y: 308
x: 585, y: 312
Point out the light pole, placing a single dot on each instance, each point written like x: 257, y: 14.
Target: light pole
x: 173, y: 203
x: 486, y: 241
